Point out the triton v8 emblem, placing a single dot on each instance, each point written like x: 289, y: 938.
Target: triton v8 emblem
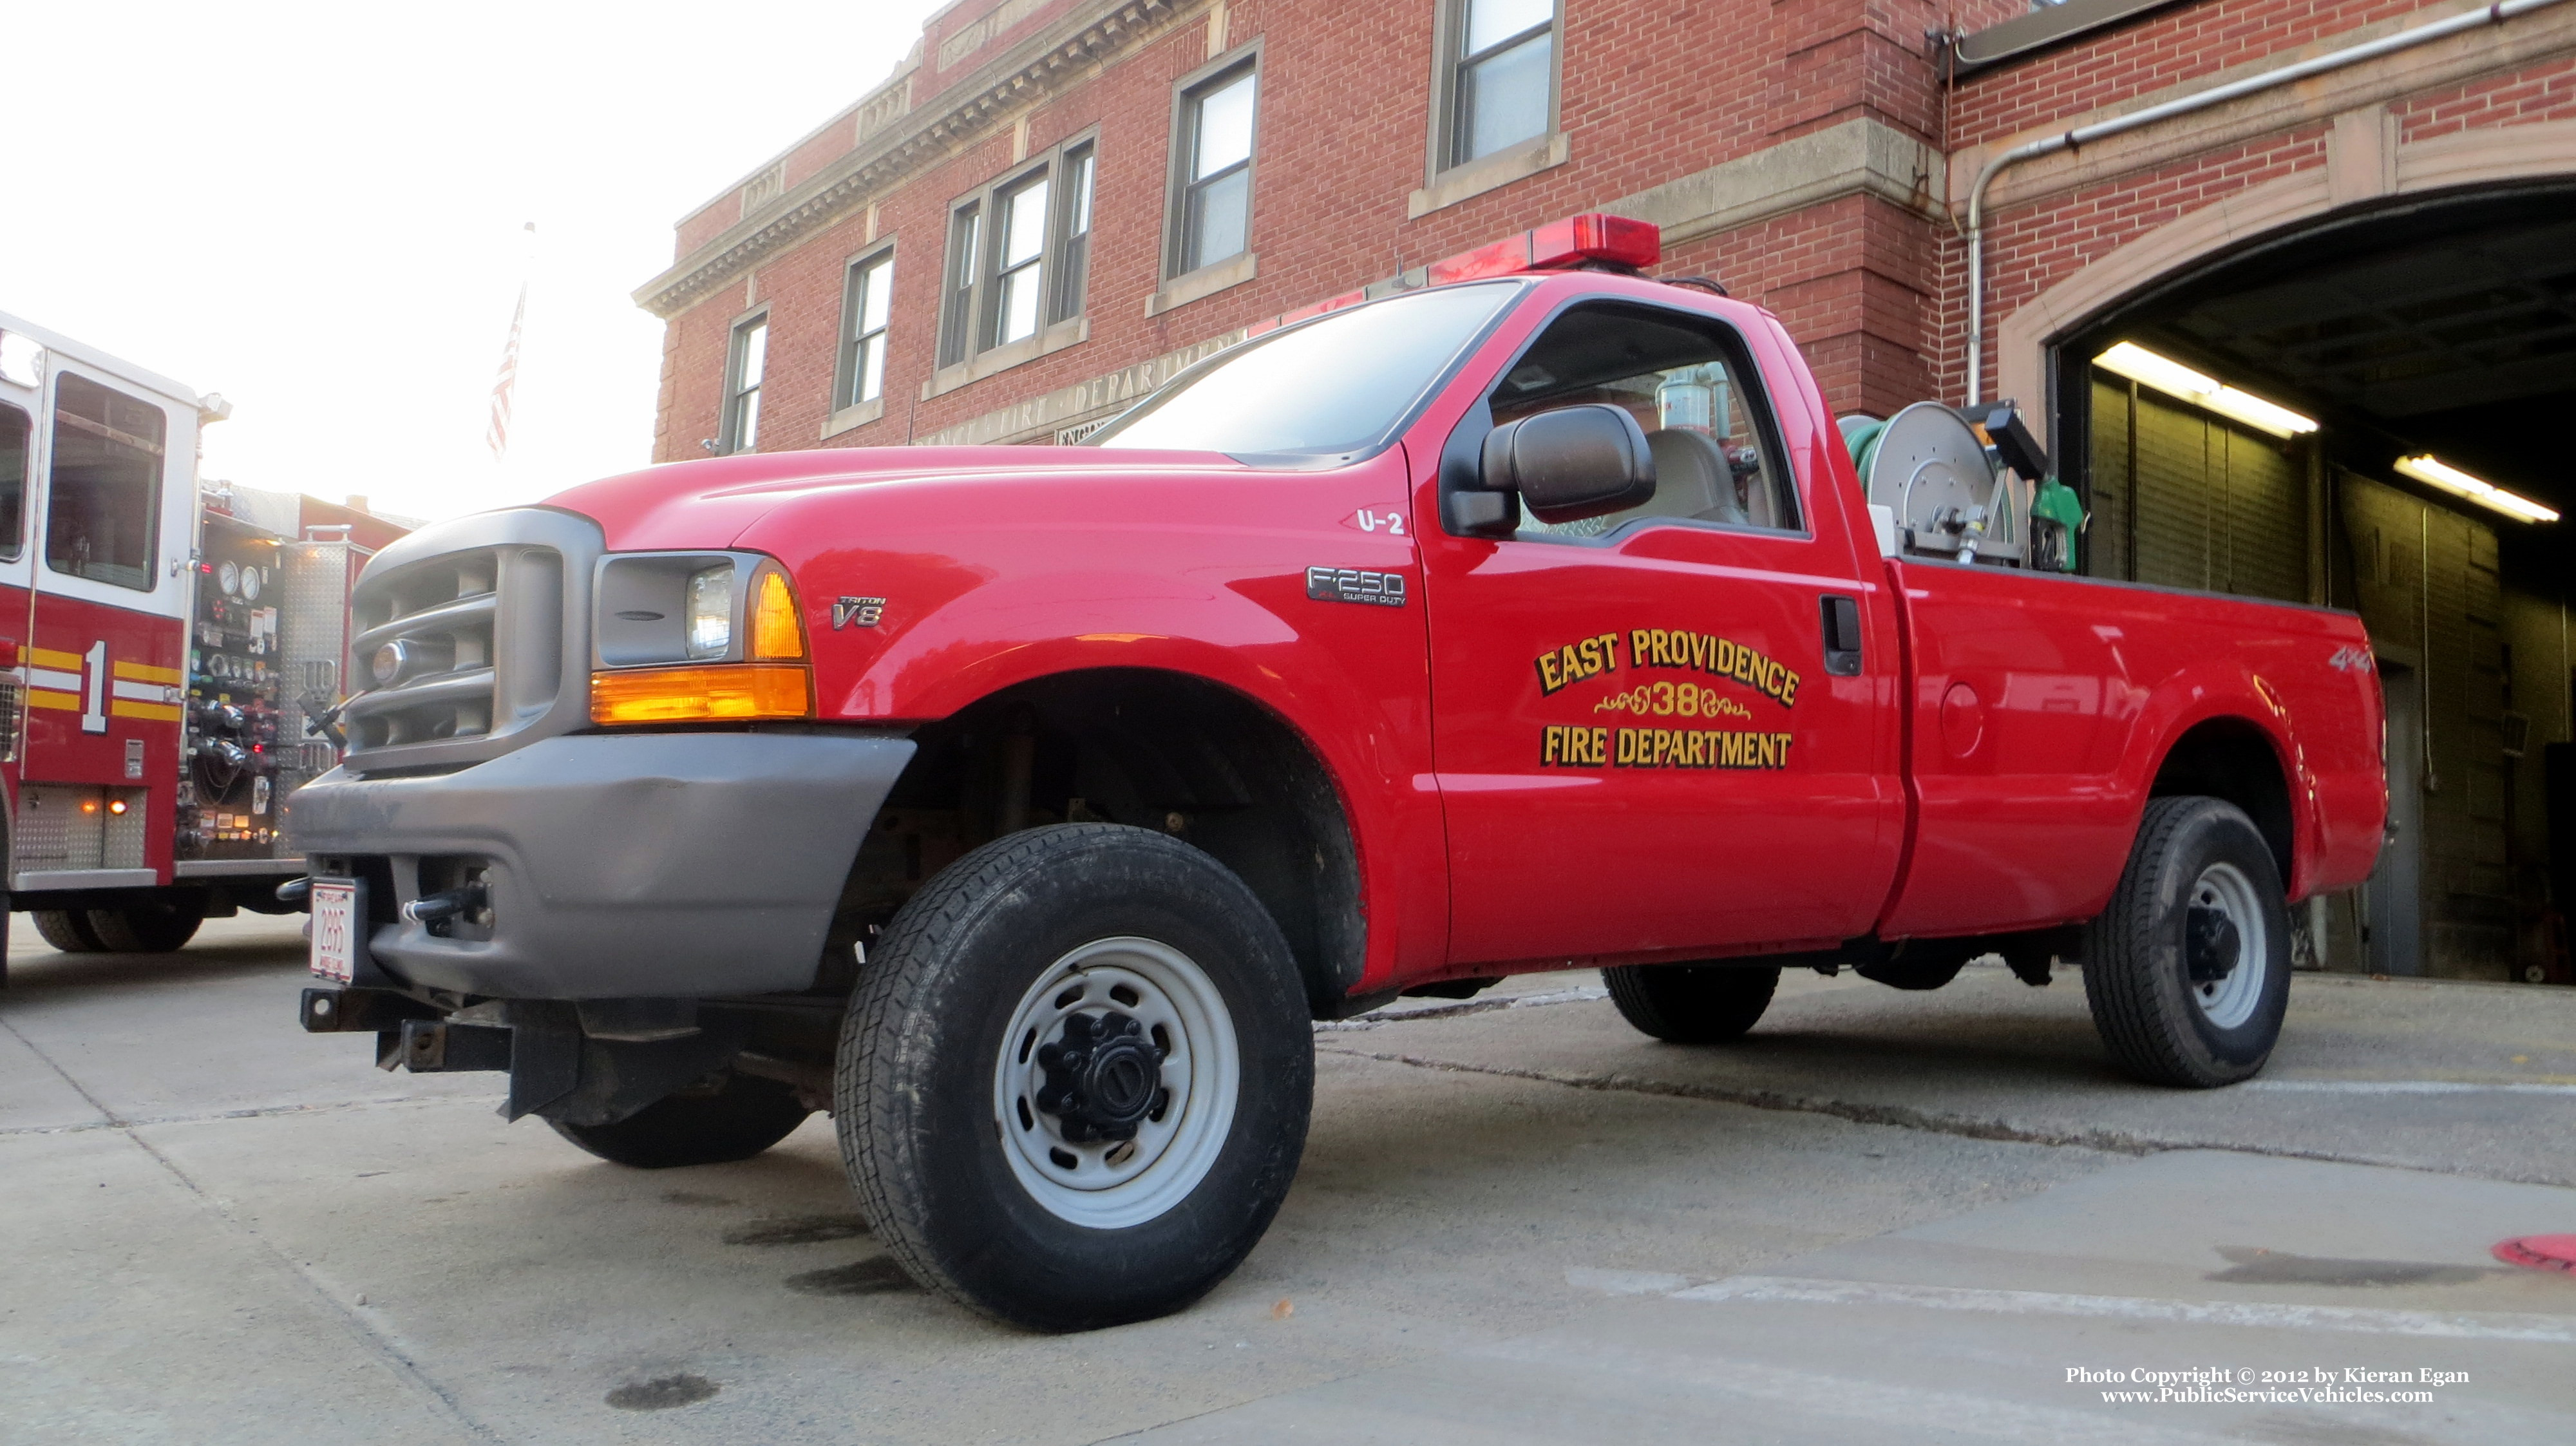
x: 865, y: 611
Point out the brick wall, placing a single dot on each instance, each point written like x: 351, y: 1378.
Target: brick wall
x: 1653, y: 90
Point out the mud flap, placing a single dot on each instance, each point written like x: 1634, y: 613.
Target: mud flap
x: 560, y: 1073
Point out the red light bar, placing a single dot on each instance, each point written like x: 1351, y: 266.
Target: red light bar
x: 1620, y: 241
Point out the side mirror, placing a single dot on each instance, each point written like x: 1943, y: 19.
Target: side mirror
x: 1573, y: 462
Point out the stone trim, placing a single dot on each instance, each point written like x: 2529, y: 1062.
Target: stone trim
x: 853, y: 416
x: 2539, y: 35
x: 1208, y: 280
x: 991, y: 361
x: 1007, y: 85
x: 1857, y: 157
x: 1489, y: 173
x: 1083, y: 401
x: 2464, y: 158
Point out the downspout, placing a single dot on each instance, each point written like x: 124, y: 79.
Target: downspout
x: 2082, y: 136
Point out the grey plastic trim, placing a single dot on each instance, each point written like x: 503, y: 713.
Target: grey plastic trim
x: 621, y: 865
x: 48, y: 879
x: 290, y: 864
x: 520, y: 717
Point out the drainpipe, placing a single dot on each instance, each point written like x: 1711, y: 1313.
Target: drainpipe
x: 2082, y: 136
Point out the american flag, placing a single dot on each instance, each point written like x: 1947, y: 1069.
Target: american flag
x: 498, y: 433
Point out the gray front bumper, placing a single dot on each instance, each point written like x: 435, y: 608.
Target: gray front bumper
x: 657, y: 864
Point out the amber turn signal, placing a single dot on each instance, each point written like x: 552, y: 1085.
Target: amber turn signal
x: 776, y: 632
x: 722, y: 693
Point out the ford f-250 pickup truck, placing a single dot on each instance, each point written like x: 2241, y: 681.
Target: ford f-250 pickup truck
x: 1022, y: 806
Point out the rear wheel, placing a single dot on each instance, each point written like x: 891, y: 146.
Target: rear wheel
x: 153, y: 925
x: 732, y: 1117
x: 68, y: 930
x: 1075, y: 1080
x: 1692, y: 1003
x: 2188, y: 971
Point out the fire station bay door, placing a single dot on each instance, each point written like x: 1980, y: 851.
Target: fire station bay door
x: 105, y: 646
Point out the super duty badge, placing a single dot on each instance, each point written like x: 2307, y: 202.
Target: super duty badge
x: 1350, y: 585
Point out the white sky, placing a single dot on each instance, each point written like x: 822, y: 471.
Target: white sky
x: 316, y: 210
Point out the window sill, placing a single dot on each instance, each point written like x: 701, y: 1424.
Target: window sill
x: 854, y: 416
x: 1488, y: 173
x: 1208, y: 280
x: 1002, y: 358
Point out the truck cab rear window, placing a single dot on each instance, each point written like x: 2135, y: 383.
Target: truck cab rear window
x: 103, y: 514
x: 1688, y: 384
x: 16, y: 431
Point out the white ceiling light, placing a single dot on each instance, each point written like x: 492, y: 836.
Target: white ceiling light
x: 2432, y: 471
x: 2173, y: 378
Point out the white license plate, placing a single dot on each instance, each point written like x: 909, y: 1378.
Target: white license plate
x: 336, y: 929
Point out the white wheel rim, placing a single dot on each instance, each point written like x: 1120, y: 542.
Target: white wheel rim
x: 1113, y: 1184
x: 2231, y: 1001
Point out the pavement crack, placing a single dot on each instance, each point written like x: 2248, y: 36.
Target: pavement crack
x: 1905, y: 1117
x: 113, y: 1121
x: 442, y: 1401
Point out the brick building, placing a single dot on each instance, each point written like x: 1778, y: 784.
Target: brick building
x: 2312, y: 238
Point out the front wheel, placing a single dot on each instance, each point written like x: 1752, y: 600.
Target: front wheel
x: 2188, y: 971
x: 1075, y: 1079
x: 730, y: 1117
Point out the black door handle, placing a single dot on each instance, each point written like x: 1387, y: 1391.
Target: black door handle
x: 1842, y: 635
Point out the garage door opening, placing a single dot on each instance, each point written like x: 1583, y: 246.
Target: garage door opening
x: 2368, y: 413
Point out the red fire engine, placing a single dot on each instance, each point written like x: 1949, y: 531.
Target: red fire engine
x: 169, y: 656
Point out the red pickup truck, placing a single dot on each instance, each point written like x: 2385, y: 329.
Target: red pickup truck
x: 1022, y: 806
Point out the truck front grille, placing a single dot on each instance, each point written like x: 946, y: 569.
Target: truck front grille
x: 480, y: 623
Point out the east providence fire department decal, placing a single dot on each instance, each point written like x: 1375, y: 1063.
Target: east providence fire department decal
x: 1584, y: 746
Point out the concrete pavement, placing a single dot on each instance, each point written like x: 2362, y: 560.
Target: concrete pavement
x: 1884, y: 1217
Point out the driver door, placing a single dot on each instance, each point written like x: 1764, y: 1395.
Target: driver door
x: 1641, y: 747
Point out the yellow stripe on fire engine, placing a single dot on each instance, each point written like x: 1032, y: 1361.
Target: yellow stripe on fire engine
x: 146, y: 673
x: 40, y: 698
x: 157, y: 712
x: 48, y: 658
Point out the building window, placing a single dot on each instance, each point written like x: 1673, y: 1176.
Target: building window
x: 865, y: 307
x: 103, y: 514
x: 1500, y: 76
x: 1213, y: 149
x: 1075, y: 227
x: 1019, y: 267
x: 1024, y: 272
x: 957, y: 305
x: 741, y: 431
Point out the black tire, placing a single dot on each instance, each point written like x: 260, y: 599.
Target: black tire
x: 921, y: 1069
x: 734, y: 1120
x: 68, y: 930
x: 2160, y: 1025
x: 1923, y: 965
x: 1692, y: 1003
x: 155, y: 925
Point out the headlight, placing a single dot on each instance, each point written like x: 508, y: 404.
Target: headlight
x: 710, y: 617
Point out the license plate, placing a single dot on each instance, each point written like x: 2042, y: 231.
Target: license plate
x: 337, y: 921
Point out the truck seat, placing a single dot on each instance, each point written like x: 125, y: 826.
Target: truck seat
x: 1692, y: 478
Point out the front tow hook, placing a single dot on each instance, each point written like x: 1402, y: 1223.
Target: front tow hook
x: 441, y: 908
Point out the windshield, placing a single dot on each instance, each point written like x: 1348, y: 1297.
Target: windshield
x: 1339, y: 385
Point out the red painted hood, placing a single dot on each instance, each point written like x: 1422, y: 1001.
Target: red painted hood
x: 710, y: 504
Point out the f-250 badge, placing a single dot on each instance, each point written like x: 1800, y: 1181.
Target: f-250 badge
x: 865, y: 611
x: 1350, y: 585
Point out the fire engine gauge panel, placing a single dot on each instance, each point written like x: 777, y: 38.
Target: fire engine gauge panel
x: 229, y: 784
